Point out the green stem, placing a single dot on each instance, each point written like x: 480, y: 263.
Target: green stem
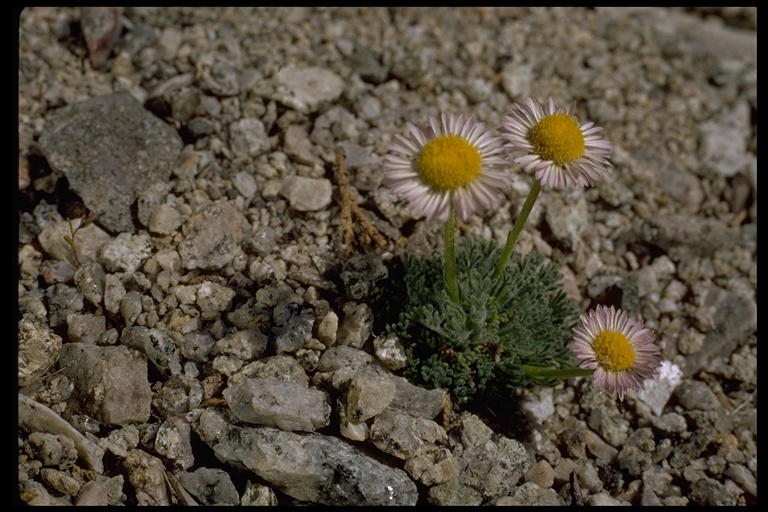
x: 517, y: 228
x: 556, y: 373
x: 449, y: 237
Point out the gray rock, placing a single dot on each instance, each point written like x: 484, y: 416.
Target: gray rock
x: 60, y: 481
x: 307, y: 194
x: 147, y: 476
x: 150, y: 199
x: 603, y: 451
x: 197, y: 346
x: 314, y: 468
x: 298, y: 147
x: 248, y: 138
x: 418, y: 401
x: 131, y: 307
x: 735, y: 319
x: 246, y: 345
x: 63, y: 301
x: 389, y: 350
x: 352, y: 430
x: 709, y: 492
x: 246, y: 184
x: 87, y: 142
x: 280, y: 367
x: 165, y: 220
x: 35, y: 417
x: 371, y: 390
x: 694, y: 394
x: 671, y: 423
x: 87, y: 240
x: 398, y: 433
x: 86, y: 328
x: 174, y: 442
x: 692, y: 448
x: 214, y: 236
x: 432, y: 465
x: 92, y: 493
x: 170, y: 400
x: 611, y: 427
x: 90, y: 279
x: 110, y: 383
x: 258, y: 495
x: 293, y: 326
x: 490, y: 465
x: 530, y: 494
x: 682, y: 233
x: 723, y: 141
x: 211, y: 486
x: 213, y: 298
x: 567, y: 220
x: 114, y: 292
x: 51, y: 390
x: 278, y: 403
x: 356, y: 327
x: 306, y: 89
x: 121, y: 441
x: 637, y: 453
x: 52, y: 450
x: 157, y: 345
x: 744, y: 477
x: 38, y: 350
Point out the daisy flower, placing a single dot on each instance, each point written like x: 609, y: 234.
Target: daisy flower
x: 620, y: 349
x: 453, y: 160
x: 558, y: 150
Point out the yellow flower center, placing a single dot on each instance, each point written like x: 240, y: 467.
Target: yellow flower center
x: 614, y: 352
x: 449, y: 162
x: 558, y: 138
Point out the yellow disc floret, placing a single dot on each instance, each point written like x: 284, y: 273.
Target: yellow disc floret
x: 449, y: 162
x: 558, y: 138
x: 613, y: 351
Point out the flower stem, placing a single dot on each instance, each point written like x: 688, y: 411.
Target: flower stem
x: 517, y: 228
x: 556, y: 373
x: 449, y: 237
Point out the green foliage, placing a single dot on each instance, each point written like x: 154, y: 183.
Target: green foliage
x: 476, y: 350
x: 84, y: 222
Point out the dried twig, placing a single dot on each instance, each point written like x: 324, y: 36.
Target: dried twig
x: 350, y: 209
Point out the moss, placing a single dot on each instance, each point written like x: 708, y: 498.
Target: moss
x: 477, y: 349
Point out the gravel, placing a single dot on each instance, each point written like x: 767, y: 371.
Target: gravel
x: 211, y: 339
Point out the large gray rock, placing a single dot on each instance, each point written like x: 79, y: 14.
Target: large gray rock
x: 111, y: 150
x: 308, y: 466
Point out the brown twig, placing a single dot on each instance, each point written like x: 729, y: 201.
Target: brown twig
x: 350, y: 209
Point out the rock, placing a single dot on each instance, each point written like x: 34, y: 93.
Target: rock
x: 35, y: 417
x: 147, y: 476
x: 213, y: 237
x: 110, y: 383
x: 283, y: 404
x: 489, y: 466
x: 101, y: 28
x: 398, y: 433
x: 307, y: 194
x: 86, y: 141
x: 305, y: 89
x: 211, y: 487
x: 370, y: 392
x: 39, y: 349
x: 313, y: 467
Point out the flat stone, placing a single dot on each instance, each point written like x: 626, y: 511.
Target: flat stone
x: 110, y: 149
